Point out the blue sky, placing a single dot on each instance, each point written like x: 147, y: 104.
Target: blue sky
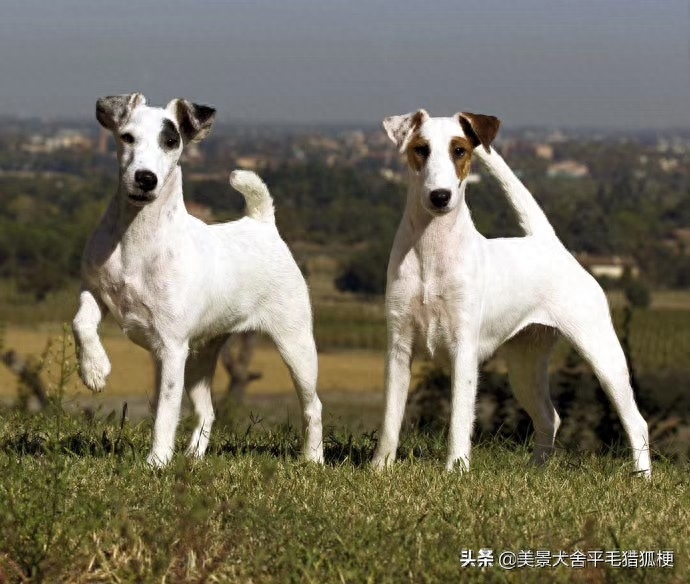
x: 613, y: 63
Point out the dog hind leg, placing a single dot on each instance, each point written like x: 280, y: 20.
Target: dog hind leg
x: 528, y: 358
x: 596, y: 341
x: 298, y: 350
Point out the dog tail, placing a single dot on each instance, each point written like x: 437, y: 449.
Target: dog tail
x: 530, y: 215
x: 255, y: 193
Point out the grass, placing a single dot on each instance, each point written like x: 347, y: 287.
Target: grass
x: 78, y: 504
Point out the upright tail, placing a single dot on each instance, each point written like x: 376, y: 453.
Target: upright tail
x: 530, y: 216
x: 255, y: 193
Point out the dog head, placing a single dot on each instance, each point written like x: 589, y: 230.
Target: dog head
x: 439, y: 152
x: 150, y: 139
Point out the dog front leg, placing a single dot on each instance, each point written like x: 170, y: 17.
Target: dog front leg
x: 94, y: 365
x: 463, y: 398
x: 398, y: 362
x: 170, y: 390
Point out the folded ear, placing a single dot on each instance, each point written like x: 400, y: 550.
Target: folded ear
x: 194, y: 120
x: 113, y: 111
x: 479, y: 129
x: 401, y: 128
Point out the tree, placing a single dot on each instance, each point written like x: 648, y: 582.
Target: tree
x: 365, y: 272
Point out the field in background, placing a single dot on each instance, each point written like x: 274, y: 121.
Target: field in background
x: 351, y: 338
x: 132, y: 368
x: 660, y: 340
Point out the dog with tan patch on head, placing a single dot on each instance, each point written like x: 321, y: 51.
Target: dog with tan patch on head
x: 458, y: 295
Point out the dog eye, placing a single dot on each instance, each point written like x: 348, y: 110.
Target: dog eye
x: 458, y: 152
x: 421, y: 150
x: 171, y: 143
x: 127, y: 138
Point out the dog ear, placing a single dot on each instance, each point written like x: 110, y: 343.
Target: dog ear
x: 113, y: 111
x: 194, y: 120
x: 479, y: 129
x: 401, y: 128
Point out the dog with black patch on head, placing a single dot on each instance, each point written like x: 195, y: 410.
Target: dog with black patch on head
x: 179, y: 287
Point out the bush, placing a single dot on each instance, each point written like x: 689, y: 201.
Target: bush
x: 636, y: 293
x: 365, y: 273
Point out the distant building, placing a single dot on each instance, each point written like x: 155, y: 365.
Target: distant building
x: 544, y: 151
x: 612, y: 266
x: 391, y: 175
x: 473, y: 178
x: 252, y: 162
x: 568, y: 169
x: 354, y: 138
x: 668, y: 164
x: 66, y: 139
x: 556, y: 137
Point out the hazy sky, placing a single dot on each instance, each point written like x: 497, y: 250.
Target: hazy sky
x: 623, y: 63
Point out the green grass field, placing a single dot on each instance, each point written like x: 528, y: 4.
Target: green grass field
x: 78, y: 504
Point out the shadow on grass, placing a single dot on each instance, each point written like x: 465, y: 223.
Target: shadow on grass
x: 341, y: 446
x: 285, y: 443
x: 79, y: 444
x: 35, y: 436
x: 80, y: 435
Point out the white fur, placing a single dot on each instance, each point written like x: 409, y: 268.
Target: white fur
x: 456, y: 293
x: 178, y: 287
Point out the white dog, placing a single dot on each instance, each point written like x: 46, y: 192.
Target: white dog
x: 456, y: 293
x: 178, y: 287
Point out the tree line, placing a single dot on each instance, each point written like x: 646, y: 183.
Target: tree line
x: 46, y: 220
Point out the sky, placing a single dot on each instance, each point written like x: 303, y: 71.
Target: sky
x: 590, y: 63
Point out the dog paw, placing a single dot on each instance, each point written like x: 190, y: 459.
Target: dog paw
x: 314, y: 454
x: 94, y: 368
x: 193, y: 452
x: 158, y: 459
x: 459, y: 465
x: 382, y: 461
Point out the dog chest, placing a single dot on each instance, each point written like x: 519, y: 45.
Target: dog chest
x: 433, y: 321
x: 429, y: 314
x: 136, y: 296
x: 127, y: 302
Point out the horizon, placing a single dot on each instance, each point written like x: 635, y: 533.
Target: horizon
x: 223, y: 124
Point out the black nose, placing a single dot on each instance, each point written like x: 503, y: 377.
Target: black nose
x: 439, y: 198
x: 145, y: 180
